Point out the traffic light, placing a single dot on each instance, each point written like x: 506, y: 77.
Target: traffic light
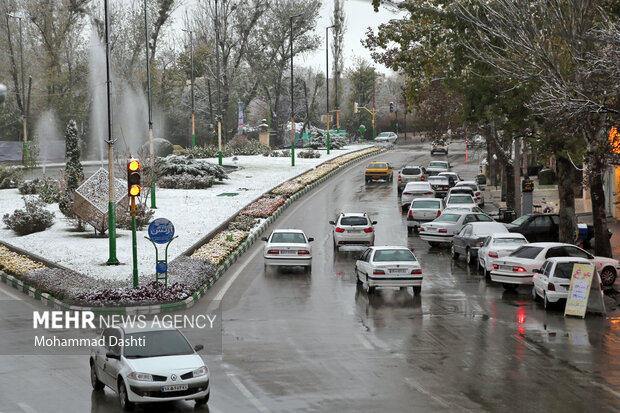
x: 354, y: 107
x: 133, y: 178
x: 391, y: 106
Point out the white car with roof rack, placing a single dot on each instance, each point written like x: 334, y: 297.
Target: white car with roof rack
x: 353, y: 229
x: 389, y: 266
x: 288, y: 248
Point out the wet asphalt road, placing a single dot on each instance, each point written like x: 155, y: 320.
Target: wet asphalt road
x: 317, y: 342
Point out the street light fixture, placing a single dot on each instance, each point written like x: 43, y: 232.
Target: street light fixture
x: 327, y: 79
x: 292, y: 97
x: 24, y: 114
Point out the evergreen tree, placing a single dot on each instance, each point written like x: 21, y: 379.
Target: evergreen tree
x: 74, y: 170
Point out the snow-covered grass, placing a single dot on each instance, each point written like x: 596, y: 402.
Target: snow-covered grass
x: 194, y: 213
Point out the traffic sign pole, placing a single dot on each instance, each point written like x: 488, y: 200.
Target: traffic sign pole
x: 134, y: 242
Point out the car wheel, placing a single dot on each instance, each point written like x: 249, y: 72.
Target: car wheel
x: 123, y: 398
x: 453, y: 253
x: 204, y: 400
x: 468, y: 257
x: 357, y: 277
x: 94, y: 380
x: 608, y: 276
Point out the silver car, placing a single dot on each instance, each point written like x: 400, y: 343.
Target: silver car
x: 390, y: 137
x: 410, y: 173
x: 478, y: 194
x: 353, y: 229
x: 423, y: 210
x: 472, y: 237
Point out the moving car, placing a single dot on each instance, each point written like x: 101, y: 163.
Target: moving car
x: 410, y: 173
x: 389, y: 267
x: 435, y: 167
x: 439, y: 146
x: 379, y: 170
x: 288, y: 248
x: 154, y: 365
x: 453, y: 177
x: 498, y: 246
x: 518, y: 268
x: 472, y: 237
x: 415, y: 190
x: 353, y: 229
x: 390, y: 137
x: 460, y: 199
x: 423, y: 210
x: 442, y: 229
x: 440, y: 184
x: 478, y: 194
x: 552, y: 280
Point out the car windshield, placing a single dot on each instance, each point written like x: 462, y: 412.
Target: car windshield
x: 509, y: 241
x: 426, y: 203
x: 526, y: 252
x: 353, y: 221
x: 438, y: 164
x: 460, y: 199
x: 520, y: 220
x: 393, y: 255
x: 411, y: 171
x: 438, y: 180
x: 564, y: 270
x: 377, y: 166
x: 156, y: 344
x: 288, y: 238
x: 461, y: 190
x: 483, y: 218
x: 383, y: 134
x: 416, y: 185
x: 447, y: 218
x: 470, y: 186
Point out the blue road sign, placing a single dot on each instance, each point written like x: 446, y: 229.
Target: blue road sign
x: 161, y: 267
x: 161, y: 230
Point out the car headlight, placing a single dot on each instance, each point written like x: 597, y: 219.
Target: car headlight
x: 140, y: 376
x: 202, y: 371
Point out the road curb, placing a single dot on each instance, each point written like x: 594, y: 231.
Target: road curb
x: 189, y: 302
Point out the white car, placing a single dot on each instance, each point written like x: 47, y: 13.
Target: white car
x: 415, y: 190
x: 389, y: 267
x: 154, y: 365
x: 441, y: 230
x: 353, y: 229
x: 478, y: 194
x: 288, y: 248
x: 460, y: 200
x: 390, y: 137
x: 552, y: 279
x: 498, y: 246
x: 463, y: 208
x: 423, y: 210
x: 453, y: 177
x: 518, y: 268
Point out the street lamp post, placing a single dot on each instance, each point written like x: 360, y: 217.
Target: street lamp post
x: 191, y: 57
x: 327, y: 79
x: 24, y: 114
x: 292, y: 96
x: 219, y: 103
x: 148, y: 83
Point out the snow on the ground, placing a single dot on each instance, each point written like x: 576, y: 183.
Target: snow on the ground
x: 193, y: 212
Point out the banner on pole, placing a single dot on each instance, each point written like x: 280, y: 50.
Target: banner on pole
x: 240, y: 122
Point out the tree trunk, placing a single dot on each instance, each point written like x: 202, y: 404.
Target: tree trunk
x: 566, y: 185
x: 509, y: 176
x: 602, y: 245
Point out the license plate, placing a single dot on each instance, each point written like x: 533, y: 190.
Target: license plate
x: 398, y: 271
x: 354, y: 231
x: 285, y: 252
x: 431, y: 229
x: 174, y: 387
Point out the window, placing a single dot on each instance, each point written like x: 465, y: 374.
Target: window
x: 555, y: 219
x: 411, y: 171
x: 555, y: 252
x: 118, y: 339
x: 510, y: 241
x: 466, y: 232
x: 365, y: 255
x: 393, y: 255
x: 448, y: 218
x: 520, y: 220
x: 570, y: 251
x: 377, y: 166
x: 487, y: 241
x: 541, y: 222
x: 546, y: 267
x: 426, y: 203
x: 460, y: 199
x: 483, y: 218
x: 470, y: 218
x: 158, y: 344
x: 564, y: 270
x: 353, y: 221
x: 526, y: 252
x: 288, y: 237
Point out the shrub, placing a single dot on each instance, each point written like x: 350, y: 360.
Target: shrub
x: 17, y: 264
x: 182, y: 164
x: 191, y: 272
x: 142, y: 295
x: 10, y: 177
x: 66, y: 284
x: 30, y: 187
x: 220, y: 246
x: 144, y: 216
x: 264, y: 207
x: 47, y: 188
x: 243, y: 223
x: 308, y: 154
x: 33, y: 218
x: 185, y: 181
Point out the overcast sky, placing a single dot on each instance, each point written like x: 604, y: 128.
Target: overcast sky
x: 359, y: 16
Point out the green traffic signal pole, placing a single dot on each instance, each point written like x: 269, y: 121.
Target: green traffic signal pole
x: 134, y: 242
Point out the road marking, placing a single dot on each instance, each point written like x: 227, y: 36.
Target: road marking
x: 233, y: 277
x: 244, y: 390
x: 26, y: 408
x: 604, y: 387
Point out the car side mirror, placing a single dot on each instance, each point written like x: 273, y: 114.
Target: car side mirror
x: 198, y: 347
x: 263, y: 239
x: 112, y: 355
x: 310, y: 239
x: 374, y: 222
x: 332, y: 222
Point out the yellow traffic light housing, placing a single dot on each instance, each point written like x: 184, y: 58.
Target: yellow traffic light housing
x: 134, y: 168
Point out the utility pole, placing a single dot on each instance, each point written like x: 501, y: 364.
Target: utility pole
x: 148, y: 83
x: 292, y: 96
x: 24, y: 112
x: 191, y: 54
x: 219, y: 103
x: 517, y: 175
x: 374, y: 133
x: 327, y: 79
x: 112, y: 260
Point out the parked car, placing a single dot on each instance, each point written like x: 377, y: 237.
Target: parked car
x: 390, y: 137
x: 463, y: 208
x: 472, y: 237
x: 440, y: 184
x: 442, y: 229
x: 518, y: 268
x: 415, y: 190
x: 552, y: 279
x: 410, y: 173
x: 288, y: 248
x: 435, y: 167
x: 498, y: 246
x: 164, y: 368
x: 389, y: 267
x: 460, y: 199
x: 423, y: 210
x: 379, y: 170
x: 453, y: 177
x: 478, y: 194
x: 477, y: 141
x: 440, y: 146
x: 353, y: 229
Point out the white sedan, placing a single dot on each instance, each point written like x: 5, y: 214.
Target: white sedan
x: 552, y: 280
x: 145, y: 365
x: 443, y: 228
x: 288, y: 248
x: 389, y: 267
x: 518, y: 268
x: 387, y: 137
x: 498, y: 246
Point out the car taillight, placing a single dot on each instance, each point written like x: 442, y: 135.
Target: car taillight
x: 445, y: 188
x: 422, y: 178
x: 273, y: 252
x: 428, y: 193
x: 369, y: 229
x: 478, y: 193
x: 438, y: 213
x: 493, y: 254
x: 551, y: 287
x: 495, y: 267
x: 518, y: 269
x: 475, y: 199
x: 303, y: 252
x: 406, y: 193
x: 443, y: 230
x: 416, y: 271
x: 410, y: 214
x: 378, y: 272
x: 338, y: 229
x: 421, y: 229
x: 399, y: 178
